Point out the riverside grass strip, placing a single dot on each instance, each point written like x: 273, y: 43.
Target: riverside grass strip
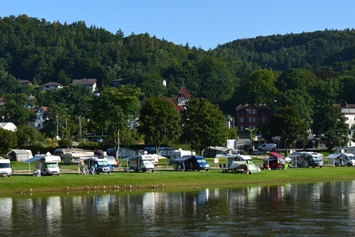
x: 168, y: 179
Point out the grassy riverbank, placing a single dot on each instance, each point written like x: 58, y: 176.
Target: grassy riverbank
x: 167, y: 179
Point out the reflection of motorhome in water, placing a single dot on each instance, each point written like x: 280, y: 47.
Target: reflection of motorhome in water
x: 46, y: 163
x: 5, y: 167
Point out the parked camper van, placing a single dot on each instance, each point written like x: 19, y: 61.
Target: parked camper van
x: 140, y: 163
x: 342, y: 159
x: 47, y: 163
x: 5, y: 167
x: 95, y: 165
x: 267, y: 147
x: 190, y: 163
x: 306, y: 159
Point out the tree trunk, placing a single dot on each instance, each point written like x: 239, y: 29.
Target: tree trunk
x: 118, y: 143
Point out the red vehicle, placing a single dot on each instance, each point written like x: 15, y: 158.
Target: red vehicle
x: 275, y: 161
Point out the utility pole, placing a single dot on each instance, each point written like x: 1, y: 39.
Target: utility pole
x: 57, y: 126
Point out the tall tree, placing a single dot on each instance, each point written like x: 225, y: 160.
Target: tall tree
x: 159, y: 121
x: 329, y: 125
x: 8, y: 141
x: 260, y: 87
x: 288, y: 124
x: 28, y: 136
x: 204, y: 125
x: 114, y: 110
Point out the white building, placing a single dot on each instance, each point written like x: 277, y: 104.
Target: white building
x: 349, y: 112
x: 89, y: 83
x: 51, y: 86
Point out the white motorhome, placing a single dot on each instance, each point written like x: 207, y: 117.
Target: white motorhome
x: 306, y: 159
x: 5, y: 167
x: 230, y: 158
x: 342, y: 159
x: 95, y: 165
x: 140, y: 163
x: 46, y: 164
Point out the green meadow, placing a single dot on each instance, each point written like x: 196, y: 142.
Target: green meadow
x: 165, y: 178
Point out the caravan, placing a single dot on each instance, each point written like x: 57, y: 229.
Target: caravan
x: 46, y: 164
x: 5, y: 167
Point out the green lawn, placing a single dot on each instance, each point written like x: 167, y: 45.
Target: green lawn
x: 168, y: 179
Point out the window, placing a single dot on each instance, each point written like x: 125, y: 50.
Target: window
x: 241, y: 128
x: 254, y: 119
x: 263, y: 119
x: 253, y: 111
x: 250, y: 119
x: 242, y: 120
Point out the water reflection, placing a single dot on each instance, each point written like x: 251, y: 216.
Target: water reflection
x: 318, y: 209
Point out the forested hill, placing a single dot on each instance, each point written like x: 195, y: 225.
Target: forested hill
x: 313, y: 51
x: 42, y: 51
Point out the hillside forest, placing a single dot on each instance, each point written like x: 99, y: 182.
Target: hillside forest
x: 308, y: 72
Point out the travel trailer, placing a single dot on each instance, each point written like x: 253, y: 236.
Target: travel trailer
x: 45, y: 164
x: 5, y: 167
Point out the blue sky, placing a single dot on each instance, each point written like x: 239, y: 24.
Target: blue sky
x: 201, y: 23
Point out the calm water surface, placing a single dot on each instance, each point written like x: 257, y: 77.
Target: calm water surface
x: 319, y: 209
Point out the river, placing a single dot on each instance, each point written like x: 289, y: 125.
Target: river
x: 317, y: 209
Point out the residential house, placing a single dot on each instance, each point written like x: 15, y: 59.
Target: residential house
x: 8, y: 126
x: 89, y: 83
x: 51, y: 86
x: 251, y: 116
x: 349, y: 112
x: 40, y: 118
x: 181, y: 100
x: 25, y: 82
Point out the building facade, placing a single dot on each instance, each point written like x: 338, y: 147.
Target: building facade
x: 251, y: 116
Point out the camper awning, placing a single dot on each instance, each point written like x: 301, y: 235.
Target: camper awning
x: 333, y: 156
x: 180, y: 159
x: 275, y: 154
x: 33, y: 159
x: 47, y: 158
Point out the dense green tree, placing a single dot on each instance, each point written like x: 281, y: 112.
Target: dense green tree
x: 114, y: 109
x: 288, y: 124
x: 159, y: 121
x: 296, y: 79
x: 260, y: 87
x: 8, y: 141
x: 329, y: 125
x: 14, y: 109
x: 28, y: 136
x: 204, y: 125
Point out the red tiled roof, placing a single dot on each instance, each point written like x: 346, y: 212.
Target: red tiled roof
x: 184, y: 92
x: 177, y: 108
